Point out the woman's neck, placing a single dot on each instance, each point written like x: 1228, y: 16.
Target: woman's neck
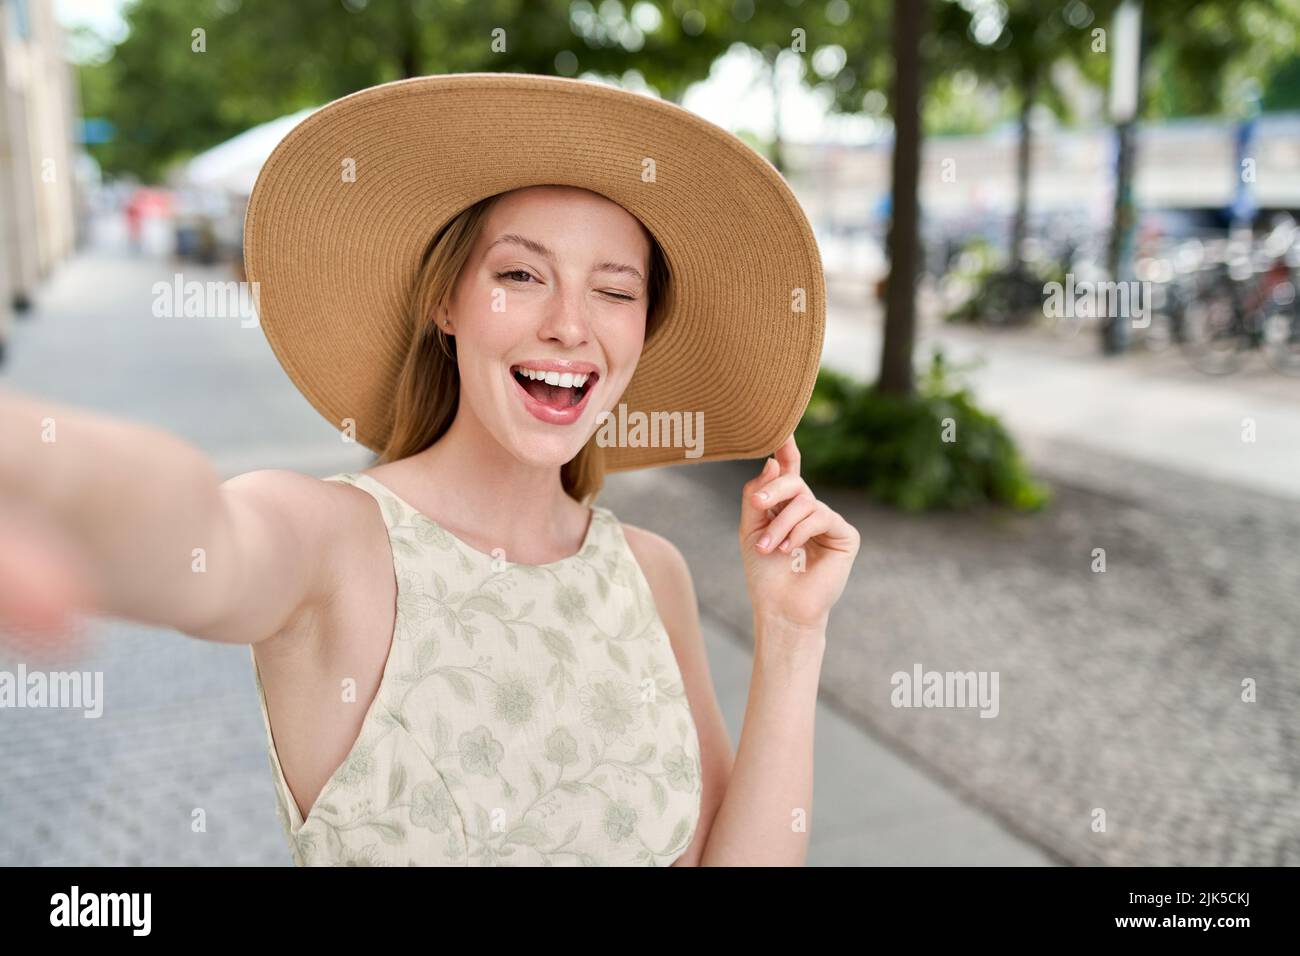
x: 477, y: 490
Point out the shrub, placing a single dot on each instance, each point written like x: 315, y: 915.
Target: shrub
x: 894, y: 448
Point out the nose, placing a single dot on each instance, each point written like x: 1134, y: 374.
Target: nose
x: 566, y: 321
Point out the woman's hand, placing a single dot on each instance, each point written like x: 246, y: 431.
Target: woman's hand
x: 44, y: 586
x: 779, y: 515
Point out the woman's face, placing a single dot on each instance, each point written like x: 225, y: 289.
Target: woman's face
x: 555, y: 287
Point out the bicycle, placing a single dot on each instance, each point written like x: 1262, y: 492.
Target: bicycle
x: 1239, y: 309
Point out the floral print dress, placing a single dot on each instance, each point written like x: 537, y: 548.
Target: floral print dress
x: 527, y: 715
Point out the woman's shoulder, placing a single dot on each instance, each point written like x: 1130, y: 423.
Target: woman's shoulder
x: 316, y: 511
x: 661, y: 561
x: 293, y: 495
x: 669, y: 578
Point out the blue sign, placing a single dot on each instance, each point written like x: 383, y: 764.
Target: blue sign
x: 94, y: 131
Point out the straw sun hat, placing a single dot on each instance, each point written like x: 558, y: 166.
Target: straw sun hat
x: 335, y: 256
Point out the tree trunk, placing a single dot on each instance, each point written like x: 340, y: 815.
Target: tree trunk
x: 778, y: 160
x: 411, y: 55
x: 903, y: 243
x: 1114, y: 335
x: 1020, y: 221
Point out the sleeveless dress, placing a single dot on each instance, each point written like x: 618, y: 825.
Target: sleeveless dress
x: 527, y: 715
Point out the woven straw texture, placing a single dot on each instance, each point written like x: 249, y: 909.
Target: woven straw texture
x: 335, y: 260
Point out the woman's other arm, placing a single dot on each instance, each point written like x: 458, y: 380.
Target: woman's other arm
x: 757, y: 806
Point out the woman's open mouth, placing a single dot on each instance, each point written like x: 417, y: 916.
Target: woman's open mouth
x: 552, y: 396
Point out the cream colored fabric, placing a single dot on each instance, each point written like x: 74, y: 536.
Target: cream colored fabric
x: 528, y: 715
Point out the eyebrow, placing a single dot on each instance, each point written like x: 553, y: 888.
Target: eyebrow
x: 536, y: 247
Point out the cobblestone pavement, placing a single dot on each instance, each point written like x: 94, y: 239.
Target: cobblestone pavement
x: 180, y: 733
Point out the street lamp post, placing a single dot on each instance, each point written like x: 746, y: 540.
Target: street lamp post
x: 1125, y: 89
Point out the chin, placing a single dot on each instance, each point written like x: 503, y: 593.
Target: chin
x: 546, y: 454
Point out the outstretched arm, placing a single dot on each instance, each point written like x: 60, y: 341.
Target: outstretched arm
x: 124, y: 520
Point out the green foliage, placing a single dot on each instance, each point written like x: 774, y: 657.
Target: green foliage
x: 893, y: 448
x: 262, y: 59
x: 969, y: 276
x: 983, y: 286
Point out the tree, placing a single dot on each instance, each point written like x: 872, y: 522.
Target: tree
x: 259, y: 60
x: 909, y: 25
x: 187, y: 77
x: 1015, y: 45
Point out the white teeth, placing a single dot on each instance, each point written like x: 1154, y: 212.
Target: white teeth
x: 562, y: 379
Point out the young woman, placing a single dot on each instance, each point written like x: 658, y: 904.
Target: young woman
x: 461, y: 659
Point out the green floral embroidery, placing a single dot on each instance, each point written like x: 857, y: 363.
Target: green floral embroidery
x: 356, y: 768
x: 680, y: 770
x: 561, y: 747
x: 570, y: 604
x: 620, y: 822
x: 611, y: 706
x: 365, y: 856
x: 514, y: 702
x: 480, y: 752
x: 430, y: 807
x: 531, y: 716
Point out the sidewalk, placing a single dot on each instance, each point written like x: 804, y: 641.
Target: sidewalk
x: 1151, y: 408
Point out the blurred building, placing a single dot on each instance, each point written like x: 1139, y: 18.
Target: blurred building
x: 968, y: 183
x: 37, y: 176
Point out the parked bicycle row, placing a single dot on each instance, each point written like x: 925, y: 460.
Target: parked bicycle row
x: 1217, y: 297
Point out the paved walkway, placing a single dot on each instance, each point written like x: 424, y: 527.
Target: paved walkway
x: 1149, y: 407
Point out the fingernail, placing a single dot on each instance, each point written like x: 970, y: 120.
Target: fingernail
x: 761, y: 496
x: 763, y: 542
x: 785, y: 545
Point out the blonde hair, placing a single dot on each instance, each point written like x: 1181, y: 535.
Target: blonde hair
x: 428, y: 388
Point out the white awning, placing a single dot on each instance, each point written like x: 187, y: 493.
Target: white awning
x: 233, y: 165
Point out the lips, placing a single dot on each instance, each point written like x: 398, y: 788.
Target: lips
x: 554, y: 392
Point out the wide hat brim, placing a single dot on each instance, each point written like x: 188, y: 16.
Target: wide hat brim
x: 335, y: 256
